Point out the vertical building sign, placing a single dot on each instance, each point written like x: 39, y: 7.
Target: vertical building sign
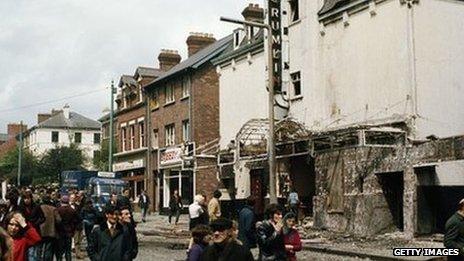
x: 275, y: 21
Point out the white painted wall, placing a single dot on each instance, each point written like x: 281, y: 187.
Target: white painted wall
x: 40, y: 141
x: 363, y: 71
x: 439, y: 37
x: 242, y: 96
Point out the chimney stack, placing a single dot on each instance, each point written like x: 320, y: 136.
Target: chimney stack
x: 66, y: 111
x: 168, y: 59
x: 15, y: 128
x: 253, y: 13
x: 41, y: 117
x: 198, y: 41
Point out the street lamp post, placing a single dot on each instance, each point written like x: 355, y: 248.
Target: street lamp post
x: 110, y: 149
x: 271, y: 138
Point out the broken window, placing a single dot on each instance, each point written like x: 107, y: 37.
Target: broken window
x: 294, y: 10
x: 296, y: 82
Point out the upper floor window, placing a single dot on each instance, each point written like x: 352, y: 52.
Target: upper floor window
x: 154, y: 139
x: 123, y: 138
x: 96, y: 138
x: 154, y: 100
x: 169, y: 135
x: 169, y: 93
x: 296, y: 82
x: 294, y: 10
x: 55, y: 136
x: 132, y: 136
x: 185, y: 130
x: 78, y: 137
x: 142, y: 134
x: 185, y: 87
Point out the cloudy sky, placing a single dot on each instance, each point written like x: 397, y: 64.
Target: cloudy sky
x: 54, y: 52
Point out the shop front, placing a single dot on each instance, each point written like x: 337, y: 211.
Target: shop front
x: 132, y: 171
x: 175, y: 172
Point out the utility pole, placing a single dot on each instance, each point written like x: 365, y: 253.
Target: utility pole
x: 270, y: 138
x: 110, y: 149
x: 20, y: 150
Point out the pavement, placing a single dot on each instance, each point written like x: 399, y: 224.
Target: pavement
x: 160, y: 233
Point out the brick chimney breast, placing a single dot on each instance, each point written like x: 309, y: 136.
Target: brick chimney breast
x: 14, y: 129
x: 198, y: 41
x: 168, y: 59
x: 253, y: 13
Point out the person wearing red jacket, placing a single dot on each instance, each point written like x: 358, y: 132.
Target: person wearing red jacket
x: 292, y: 238
x: 24, y: 235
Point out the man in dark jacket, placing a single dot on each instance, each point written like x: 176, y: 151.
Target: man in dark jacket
x: 70, y: 220
x: 144, y: 203
x: 270, y: 237
x: 126, y: 221
x: 454, y: 232
x: 224, y: 246
x: 110, y: 241
x: 247, y: 224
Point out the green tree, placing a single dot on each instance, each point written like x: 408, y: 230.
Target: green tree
x: 59, y: 159
x: 29, y: 166
x: 100, y: 161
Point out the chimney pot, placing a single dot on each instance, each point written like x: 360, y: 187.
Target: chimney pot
x: 253, y: 13
x: 66, y: 111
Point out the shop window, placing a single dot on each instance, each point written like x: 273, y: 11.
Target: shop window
x: 55, y: 136
x: 154, y: 139
x: 78, y: 137
x: 169, y: 134
x: 294, y: 10
x: 296, y: 82
x: 185, y: 87
x: 142, y: 134
x: 185, y: 130
x: 169, y: 93
x: 96, y: 138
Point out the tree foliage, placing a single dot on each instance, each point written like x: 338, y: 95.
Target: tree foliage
x: 100, y: 161
x: 60, y: 159
x: 9, y: 166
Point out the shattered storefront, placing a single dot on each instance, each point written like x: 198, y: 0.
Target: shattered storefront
x: 244, y: 171
x: 372, y: 179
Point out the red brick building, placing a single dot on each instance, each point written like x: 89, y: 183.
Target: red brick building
x: 130, y: 131
x: 184, y: 105
x: 8, y: 141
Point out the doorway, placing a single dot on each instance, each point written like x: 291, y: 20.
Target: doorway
x: 258, y: 191
x: 392, y: 185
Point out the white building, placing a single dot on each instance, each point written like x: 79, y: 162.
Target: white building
x: 379, y: 61
x: 62, y: 128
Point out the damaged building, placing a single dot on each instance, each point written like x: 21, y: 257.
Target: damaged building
x: 378, y: 104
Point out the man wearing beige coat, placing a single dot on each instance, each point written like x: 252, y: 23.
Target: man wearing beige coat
x: 214, y: 208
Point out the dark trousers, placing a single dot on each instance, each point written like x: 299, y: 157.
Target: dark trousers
x: 46, y: 249
x: 294, y: 209
x: 144, y: 213
x: 64, y: 248
x: 174, y: 212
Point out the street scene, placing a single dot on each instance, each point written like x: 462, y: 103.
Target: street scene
x: 232, y: 130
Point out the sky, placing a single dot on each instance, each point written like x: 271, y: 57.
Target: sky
x: 57, y: 52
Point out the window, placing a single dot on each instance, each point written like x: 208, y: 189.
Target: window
x: 132, y: 136
x: 96, y: 138
x: 154, y: 100
x: 55, y: 136
x: 294, y: 10
x: 185, y: 130
x: 296, y: 82
x: 154, y: 139
x: 169, y: 93
x: 142, y: 134
x: 123, y: 138
x: 185, y: 87
x: 140, y: 92
x: 78, y: 137
x: 251, y: 33
x: 169, y: 135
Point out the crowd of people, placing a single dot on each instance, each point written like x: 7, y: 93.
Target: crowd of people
x: 214, y: 237
x: 40, y: 224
